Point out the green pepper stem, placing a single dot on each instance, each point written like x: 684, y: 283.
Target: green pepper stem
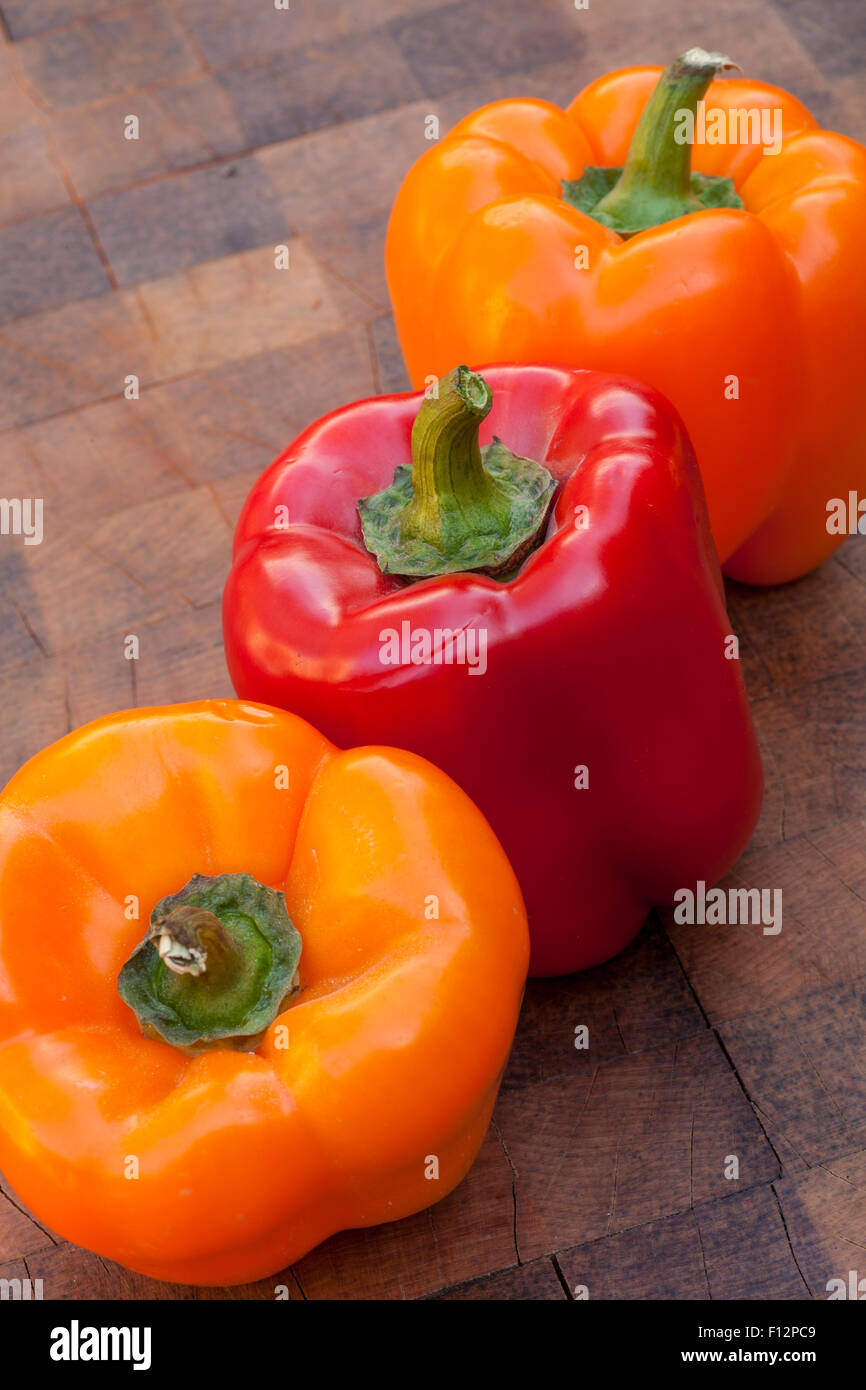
x: 189, y: 939
x: 654, y: 186
x: 454, y: 497
x: 217, y: 965
x: 458, y: 508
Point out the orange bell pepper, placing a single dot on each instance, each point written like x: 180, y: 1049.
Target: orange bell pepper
x: 745, y: 310
x: 365, y: 1099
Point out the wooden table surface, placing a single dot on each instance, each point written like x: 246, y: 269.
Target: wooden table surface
x: 154, y: 258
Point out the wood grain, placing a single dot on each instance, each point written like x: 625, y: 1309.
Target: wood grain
x: 605, y: 1168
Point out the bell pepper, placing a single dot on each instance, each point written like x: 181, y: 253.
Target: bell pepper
x: 548, y: 625
x: 311, y: 1031
x: 727, y: 272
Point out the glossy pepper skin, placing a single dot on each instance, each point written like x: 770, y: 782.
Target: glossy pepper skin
x: 481, y: 261
x: 396, y: 1041
x: 606, y: 651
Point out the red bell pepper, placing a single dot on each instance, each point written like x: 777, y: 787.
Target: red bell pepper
x: 589, y: 698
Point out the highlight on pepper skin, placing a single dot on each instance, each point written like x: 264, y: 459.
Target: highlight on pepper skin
x: 321, y: 958
x: 586, y: 560
x: 717, y: 258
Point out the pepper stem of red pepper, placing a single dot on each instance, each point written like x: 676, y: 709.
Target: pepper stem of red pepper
x: 458, y: 508
x: 656, y: 183
x: 217, y: 965
x: 453, y: 497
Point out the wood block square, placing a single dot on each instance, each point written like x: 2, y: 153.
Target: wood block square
x: 184, y: 123
x: 35, y: 716
x: 639, y: 1000
x: 19, y: 1232
x: 535, y: 1282
x: 754, y: 33
x: 232, y: 421
x: 803, y: 1065
x: 232, y: 308
x: 833, y: 711
x: 174, y: 548
x: 45, y: 262
x: 277, y: 97
x: 264, y: 1290
x: 452, y: 45
x: 112, y: 52
x: 825, y: 1215
x: 161, y: 227
x: 17, y: 107
x: 68, y: 1272
x: 25, y: 17
x: 182, y: 658
x: 354, y: 251
x: 226, y: 31
x: 632, y: 1140
x: 799, y: 784
x: 736, y: 969
x: 31, y: 182
x: 351, y: 173
x: 708, y: 1253
x: 221, y: 311
x: 832, y: 35
x: 70, y: 356
x: 89, y: 442
x: 804, y: 630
